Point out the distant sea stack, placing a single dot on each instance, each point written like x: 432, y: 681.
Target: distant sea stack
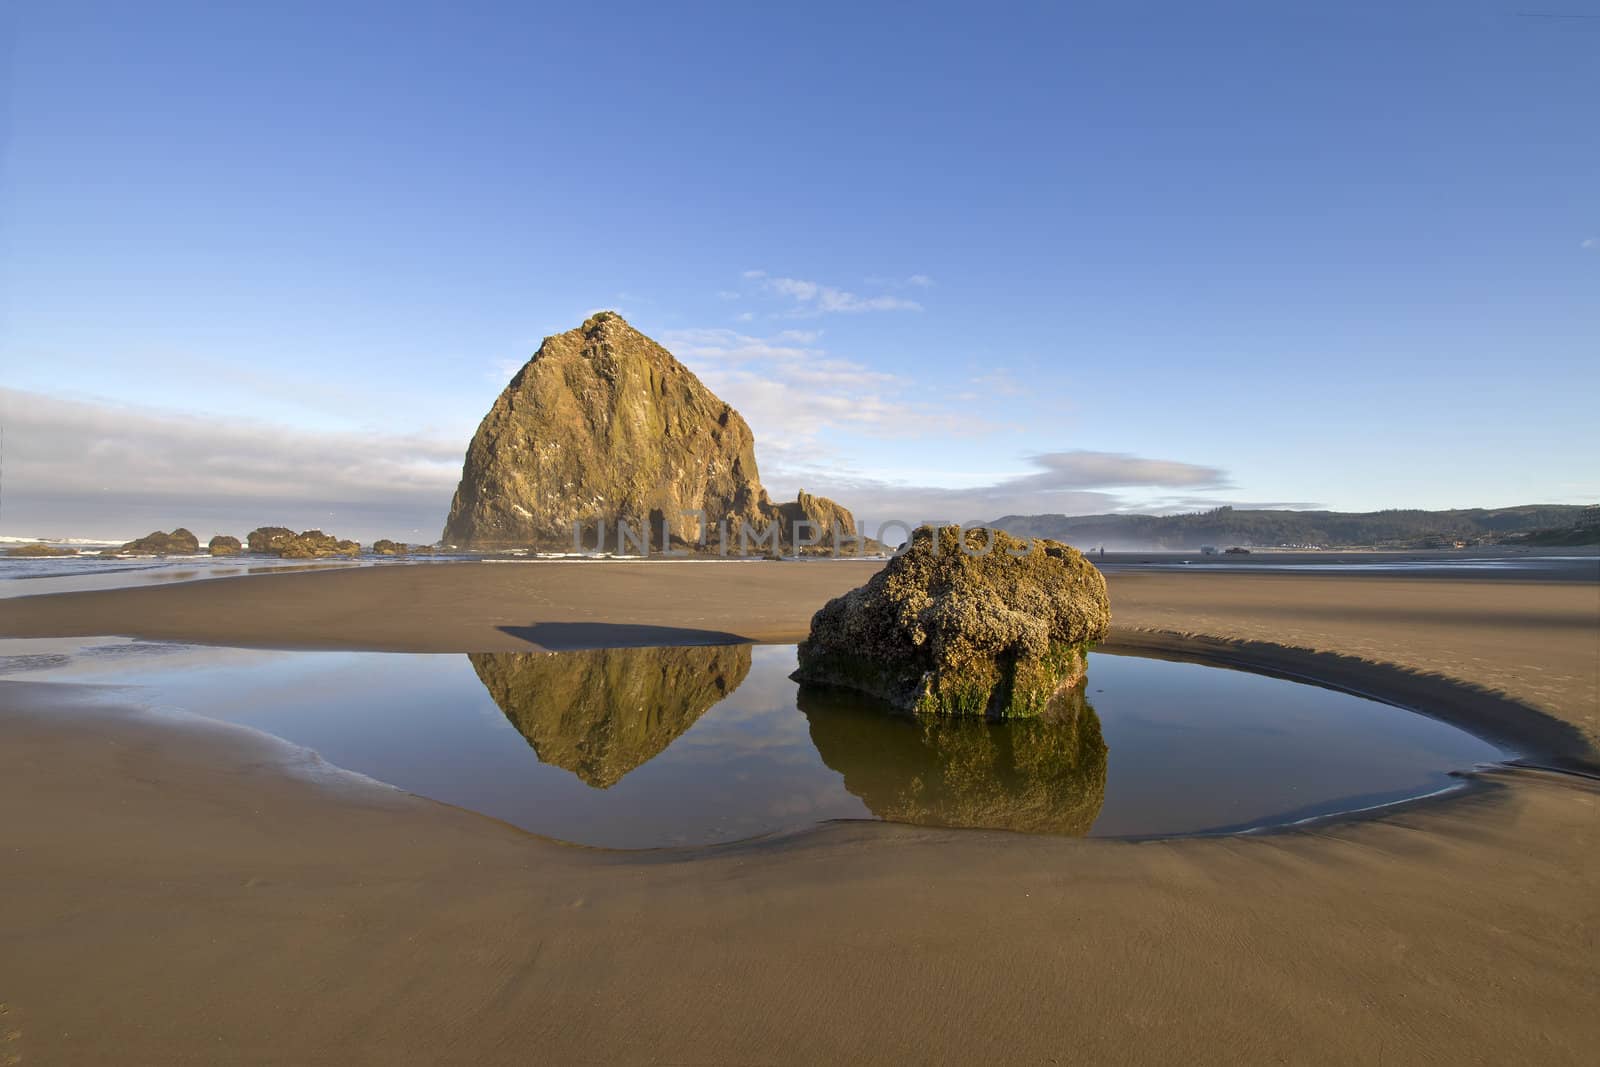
x: 604, y: 425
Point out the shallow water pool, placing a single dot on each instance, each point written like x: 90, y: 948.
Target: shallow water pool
x: 646, y: 747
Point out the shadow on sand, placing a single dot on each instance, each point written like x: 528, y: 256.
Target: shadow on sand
x: 576, y: 636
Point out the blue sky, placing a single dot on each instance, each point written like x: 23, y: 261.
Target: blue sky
x: 273, y: 264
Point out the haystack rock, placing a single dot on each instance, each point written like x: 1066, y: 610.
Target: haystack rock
x: 605, y: 425
x: 963, y: 623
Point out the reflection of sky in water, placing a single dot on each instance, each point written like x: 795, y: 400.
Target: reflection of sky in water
x: 1190, y: 748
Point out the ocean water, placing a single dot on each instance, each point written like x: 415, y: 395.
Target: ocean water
x: 71, y: 574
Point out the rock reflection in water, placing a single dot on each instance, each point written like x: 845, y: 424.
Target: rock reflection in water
x: 1039, y: 775
x: 600, y: 713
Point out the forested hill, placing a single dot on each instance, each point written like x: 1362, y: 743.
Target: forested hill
x: 1226, y: 527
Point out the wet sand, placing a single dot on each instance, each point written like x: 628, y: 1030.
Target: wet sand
x: 189, y: 892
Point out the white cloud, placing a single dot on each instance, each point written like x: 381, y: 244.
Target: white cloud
x: 79, y: 468
x: 796, y: 396
x: 794, y: 287
x: 814, y: 298
x: 914, y: 281
x: 1591, y: 242
x: 1081, y: 469
x: 999, y: 382
x: 103, y: 469
x: 825, y: 299
x: 1076, y: 482
x: 502, y: 371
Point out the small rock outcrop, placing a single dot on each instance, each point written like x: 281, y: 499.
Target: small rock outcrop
x: 224, y: 545
x: 179, y: 542
x: 41, y: 550
x: 604, y: 425
x: 308, y: 544
x: 385, y: 547
x: 828, y: 523
x: 314, y: 544
x: 994, y: 630
x: 601, y: 713
x: 269, y: 540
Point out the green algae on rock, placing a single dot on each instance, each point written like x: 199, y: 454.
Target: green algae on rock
x: 973, y: 623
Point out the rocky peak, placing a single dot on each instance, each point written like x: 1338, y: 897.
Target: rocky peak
x: 603, y: 424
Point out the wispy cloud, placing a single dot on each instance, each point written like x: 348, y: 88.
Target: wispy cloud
x: 809, y: 298
x: 999, y: 382
x: 103, y: 468
x: 1077, y: 482
x: 1175, y: 504
x: 825, y: 299
x: 97, y: 469
x: 502, y: 371
x: 1590, y: 242
x: 1081, y: 469
x: 797, y: 396
x: 914, y: 281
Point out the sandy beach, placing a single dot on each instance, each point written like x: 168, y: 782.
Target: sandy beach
x: 184, y: 891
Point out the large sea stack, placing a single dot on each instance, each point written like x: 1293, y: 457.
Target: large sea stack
x: 604, y: 425
x: 967, y: 623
